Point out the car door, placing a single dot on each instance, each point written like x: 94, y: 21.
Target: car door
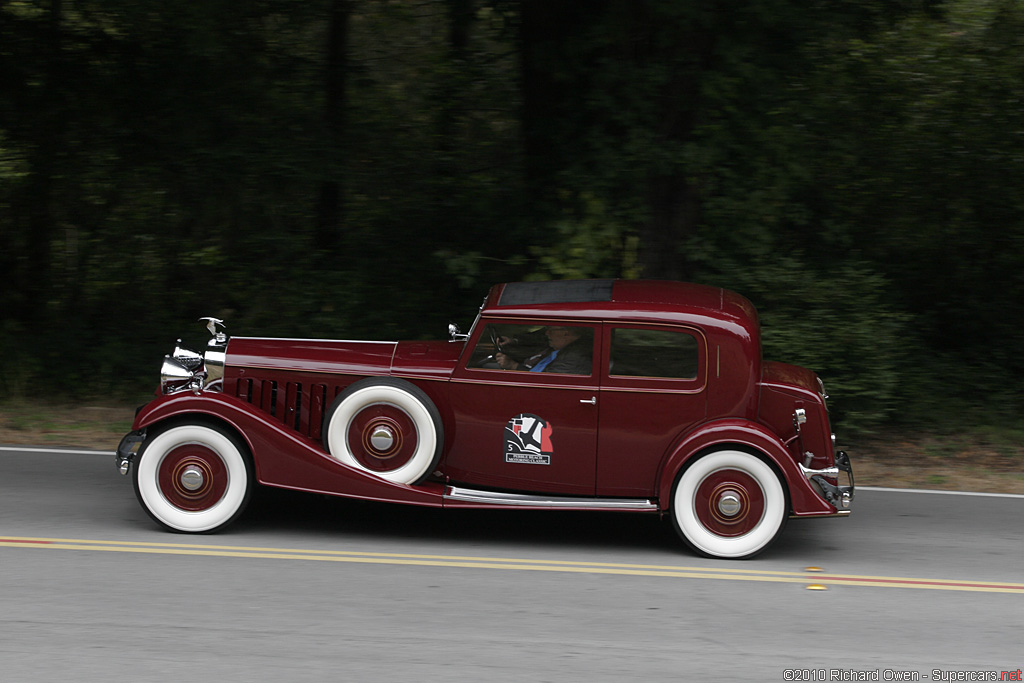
x: 653, y: 389
x: 532, y: 431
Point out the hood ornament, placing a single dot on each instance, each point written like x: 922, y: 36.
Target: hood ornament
x: 212, y: 324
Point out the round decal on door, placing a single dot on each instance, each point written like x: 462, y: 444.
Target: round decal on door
x: 528, y: 440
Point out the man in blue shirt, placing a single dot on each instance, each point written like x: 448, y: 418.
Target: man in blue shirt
x: 568, y: 352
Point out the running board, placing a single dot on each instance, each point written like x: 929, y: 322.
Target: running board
x: 500, y: 499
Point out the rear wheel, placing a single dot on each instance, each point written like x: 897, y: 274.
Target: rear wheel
x: 193, y: 478
x: 729, y: 504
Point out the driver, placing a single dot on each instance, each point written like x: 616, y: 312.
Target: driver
x: 567, y: 353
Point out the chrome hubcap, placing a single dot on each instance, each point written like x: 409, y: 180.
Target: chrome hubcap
x: 382, y: 438
x: 729, y: 503
x: 192, y: 478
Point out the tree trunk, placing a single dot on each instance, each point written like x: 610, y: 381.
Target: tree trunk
x: 547, y: 102
x: 330, y: 211
x: 450, y: 94
x: 460, y: 19
x: 673, y: 199
x: 674, y: 214
x: 46, y: 131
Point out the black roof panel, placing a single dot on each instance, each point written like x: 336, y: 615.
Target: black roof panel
x: 558, y: 292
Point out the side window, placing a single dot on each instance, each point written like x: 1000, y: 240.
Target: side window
x: 567, y: 350
x: 653, y: 353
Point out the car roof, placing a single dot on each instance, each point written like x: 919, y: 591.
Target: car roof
x: 642, y: 300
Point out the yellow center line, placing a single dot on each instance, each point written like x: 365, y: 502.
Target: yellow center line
x: 472, y: 562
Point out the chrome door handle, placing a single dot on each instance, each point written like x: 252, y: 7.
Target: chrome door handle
x: 592, y: 400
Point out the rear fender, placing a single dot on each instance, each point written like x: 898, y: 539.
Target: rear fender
x: 748, y: 436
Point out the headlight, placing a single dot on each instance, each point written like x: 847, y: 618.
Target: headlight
x: 175, y: 376
x: 185, y: 369
x: 187, y: 357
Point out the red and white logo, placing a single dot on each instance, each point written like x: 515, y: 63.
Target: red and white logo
x: 528, y: 440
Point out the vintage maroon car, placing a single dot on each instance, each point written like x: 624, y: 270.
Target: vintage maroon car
x: 633, y: 396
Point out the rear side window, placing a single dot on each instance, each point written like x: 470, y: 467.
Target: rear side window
x: 665, y: 354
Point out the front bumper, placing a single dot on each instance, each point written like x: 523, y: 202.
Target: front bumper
x: 840, y: 497
x: 127, y: 449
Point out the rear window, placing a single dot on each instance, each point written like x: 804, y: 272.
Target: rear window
x: 664, y: 354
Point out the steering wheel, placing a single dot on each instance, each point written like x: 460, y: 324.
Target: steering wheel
x: 491, y: 361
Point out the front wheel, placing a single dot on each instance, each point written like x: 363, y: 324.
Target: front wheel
x: 729, y: 504
x: 193, y: 478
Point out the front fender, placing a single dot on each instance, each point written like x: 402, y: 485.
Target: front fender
x: 749, y: 435
x: 283, y: 457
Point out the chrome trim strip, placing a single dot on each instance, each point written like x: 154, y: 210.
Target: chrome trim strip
x: 418, y: 378
x: 357, y: 375
x: 824, y: 515
x: 582, y: 387
x: 379, y: 371
x: 499, y: 498
x: 645, y: 390
x: 305, y: 339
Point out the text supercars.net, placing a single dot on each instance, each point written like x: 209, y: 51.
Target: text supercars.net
x: 818, y: 675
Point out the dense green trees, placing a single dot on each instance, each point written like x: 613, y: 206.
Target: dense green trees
x: 355, y: 168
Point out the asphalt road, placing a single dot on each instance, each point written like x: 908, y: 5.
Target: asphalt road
x: 306, y: 588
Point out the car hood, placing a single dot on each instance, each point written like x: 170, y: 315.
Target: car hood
x: 310, y: 355
x: 434, y: 359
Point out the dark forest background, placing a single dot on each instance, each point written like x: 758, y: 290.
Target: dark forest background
x: 367, y: 169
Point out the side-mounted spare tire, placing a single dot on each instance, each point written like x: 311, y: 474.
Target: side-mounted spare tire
x: 387, y: 427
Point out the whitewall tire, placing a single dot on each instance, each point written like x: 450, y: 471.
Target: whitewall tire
x: 193, y: 478
x: 729, y: 504
x: 386, y: 427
